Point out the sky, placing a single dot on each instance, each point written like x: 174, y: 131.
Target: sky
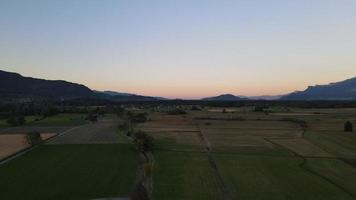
x: 181, y: 49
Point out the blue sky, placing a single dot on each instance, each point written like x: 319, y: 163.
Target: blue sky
x: 186, y: 48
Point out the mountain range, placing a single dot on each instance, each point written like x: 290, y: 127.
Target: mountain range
x: 13, y: 85
x: 343, y: 90
x: 16, y: 86
x: 223, y: 97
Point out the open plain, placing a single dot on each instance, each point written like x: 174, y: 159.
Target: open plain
x: 203, y: 154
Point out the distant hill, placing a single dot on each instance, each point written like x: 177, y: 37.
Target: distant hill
x: 113, y: 93
x: 343, y: 90
x: 13, y: 85
x: 265, y: 97
x: 119, y: 96
x: 223, y: 97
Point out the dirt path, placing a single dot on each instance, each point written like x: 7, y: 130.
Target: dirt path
x: 222, y: 185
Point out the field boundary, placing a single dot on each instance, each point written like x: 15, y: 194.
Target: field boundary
x: 24, y: 151
x: 303, y: 165
x: 223, y: 187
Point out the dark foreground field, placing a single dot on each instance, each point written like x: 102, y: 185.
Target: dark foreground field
x: 70, y: 172
x: 239, y: 154
x: 242, y: 154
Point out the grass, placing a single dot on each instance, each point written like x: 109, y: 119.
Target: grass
x: 336, y: 170
x: 340, y: 144
x: 302, y: 147
x: 273, y: 177
x: 179, y: 175
x: 251, y: 166
x: 3, y: 123
x: 72, y: 119
x: 63, y: 119
x: 70, y: 172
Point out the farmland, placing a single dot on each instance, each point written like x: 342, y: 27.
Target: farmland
x: 70, y: 172
x: 244, y: 154
x: 282, y: 153
x: 86, y: 161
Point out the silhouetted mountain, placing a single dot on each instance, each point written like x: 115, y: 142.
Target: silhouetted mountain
x: 113, y: 93
x: 119, y: 96
x: 265, y: 97
x: 343, y: 90
x: 13, y: 85
x: 223, y: 97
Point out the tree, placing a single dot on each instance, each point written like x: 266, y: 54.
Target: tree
x: 126, y: 127
x: 348, y: 126
x: 260, y: 108
x: 137, y: 118
x: 93, y: 117
x: 120, y: 111
x: 176, y: 111
x: 143, y: 141
x: 16, y: 120
x: 195, y: 108
x: 33, y: 138
x: 139, y: 192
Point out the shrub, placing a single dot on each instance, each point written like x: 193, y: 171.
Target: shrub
x: 139, y: 118
x: 139, y: 192
x: 348, y: 126
x: 93, y: 117
x: 33, y: 138
x: 16, y: 120
x: 177, y: 111
x: 143, y: 141
x: 120, y: 112
x: 195, y: 108
x: 260, y: 108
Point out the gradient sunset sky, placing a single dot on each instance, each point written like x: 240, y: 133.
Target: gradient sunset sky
x: 181, y: 48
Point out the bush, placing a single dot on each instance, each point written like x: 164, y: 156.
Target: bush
x: 139, y: 118
x: 33, y: 138
x: 93, y: 117
x: 348, y: 126
x: 195, y: 108
x: 120, y: 112
x: 126, y: 127
x: 49, y: 111
x: 139, y: 192
x: 14, y: 120
x: 176, y: 111
x: 260, y: 108
x: 143, y: 141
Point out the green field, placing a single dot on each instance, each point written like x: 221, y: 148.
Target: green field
x: 258, y: 156
x: 340, y: 144
x: 70, y: 172
x: 336, y: 171
x: 3, y: 123
x: 72, y: 119
x: 274, y: 177
x: 181, y: 175
x: 285, y: 154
